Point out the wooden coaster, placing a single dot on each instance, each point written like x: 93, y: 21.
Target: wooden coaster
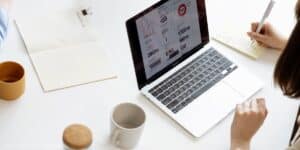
x: 77, y: 136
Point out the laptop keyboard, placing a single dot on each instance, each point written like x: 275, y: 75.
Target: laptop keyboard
x: 185, y: 85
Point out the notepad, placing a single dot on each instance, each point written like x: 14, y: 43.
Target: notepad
x: 238, y: 40
x: 63, y: 52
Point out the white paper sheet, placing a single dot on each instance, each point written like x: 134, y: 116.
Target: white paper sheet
x: 63, y: 52
x: 239, y: 41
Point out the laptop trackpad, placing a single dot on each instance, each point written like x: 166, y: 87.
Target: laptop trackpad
x: 210, y: 108
x: 244, y: 82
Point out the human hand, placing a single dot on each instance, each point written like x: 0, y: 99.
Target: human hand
x: 247, y: 120
x: 268, y: 37
x: 6, y: 4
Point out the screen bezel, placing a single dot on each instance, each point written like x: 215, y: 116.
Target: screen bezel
x: 136, y: 51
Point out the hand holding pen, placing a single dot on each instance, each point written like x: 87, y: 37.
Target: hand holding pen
x: 267, y: 37
x: 264, y: 34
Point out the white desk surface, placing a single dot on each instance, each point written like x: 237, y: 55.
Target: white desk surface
x: 36, y: 121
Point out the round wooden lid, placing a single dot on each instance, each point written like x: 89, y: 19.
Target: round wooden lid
x: 77, y: 136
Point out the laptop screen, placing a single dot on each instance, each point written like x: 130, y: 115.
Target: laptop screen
x: 165, y: 35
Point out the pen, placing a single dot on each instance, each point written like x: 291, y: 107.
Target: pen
x: 265, y: 16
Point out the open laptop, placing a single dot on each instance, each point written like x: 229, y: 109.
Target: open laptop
x: 180, y: 71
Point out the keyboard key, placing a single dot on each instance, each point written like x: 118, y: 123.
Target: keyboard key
x: 208, y: 63
x: 186, y: 86
x: 189, y: 92
x: 152, y: 90
x: 172, y: 96
x: 184, y: 103
x: 167, y: 101
x: 181, y: 83
x: 186, y: 72
x: 189, y: 84
x: 176, y: 86
x: 199, y: 84
x: 180, y: 98
x: 177, y: 93
x: 161, y: 97
x: 201, y: 61
x: 197, y: 78
x: 174, y: 103
x: 192, y: 82
x: 185, y: 79
x: 177, y: 108
x: 189, y: 100
x: 184, y: 95
x: 201, y: 75
x: 159, y: 90
x: 172, y: 88
x: 167, y: 93
x: 194, y: 88
x: 155, y: 93
x: 164, y: 87
x: 173, y: 81
x: 209, y: 77
x: 206, y: 72
x: 182, y: 89
x: 180, y: 76
x: 212, y: 61
x: 194, y: 73
x: 177, y: 78
x: 183, y: 74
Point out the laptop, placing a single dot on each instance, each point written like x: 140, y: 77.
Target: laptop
x: 180, y: 71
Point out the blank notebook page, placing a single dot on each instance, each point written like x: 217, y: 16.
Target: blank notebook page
x: 239, y: 41
x: 63, y: 52
x: 230, y: 26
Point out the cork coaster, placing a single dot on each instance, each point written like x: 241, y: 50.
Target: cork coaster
x: 77, y: 136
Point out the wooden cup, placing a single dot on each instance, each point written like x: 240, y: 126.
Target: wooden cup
x: 12, y: 80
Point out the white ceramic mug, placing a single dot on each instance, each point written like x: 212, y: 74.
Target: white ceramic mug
x: 127, y: 124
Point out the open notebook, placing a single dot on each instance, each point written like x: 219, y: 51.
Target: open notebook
x: 239, y: 41
x: 230, y: 26
x: 63, y: 52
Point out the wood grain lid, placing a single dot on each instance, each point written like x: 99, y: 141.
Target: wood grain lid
x: 77, y: 136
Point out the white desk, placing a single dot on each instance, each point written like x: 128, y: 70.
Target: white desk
x: 36, y: 121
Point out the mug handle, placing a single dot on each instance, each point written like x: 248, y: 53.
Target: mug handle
x: 116, y: 137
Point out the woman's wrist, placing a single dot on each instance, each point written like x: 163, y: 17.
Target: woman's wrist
x: 283, y: 44
x: 240, y: 145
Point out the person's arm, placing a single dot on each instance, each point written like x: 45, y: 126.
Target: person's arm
x: 247, y: 120
x: 4, y: 8
x: 268, y: 37
x: 3, y: 24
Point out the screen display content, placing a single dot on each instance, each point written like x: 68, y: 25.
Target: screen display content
x: 167, y: 33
